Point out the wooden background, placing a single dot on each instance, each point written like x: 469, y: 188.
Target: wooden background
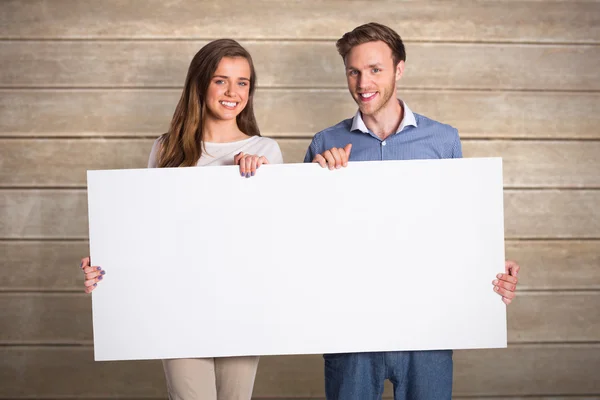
x: 89, y: 84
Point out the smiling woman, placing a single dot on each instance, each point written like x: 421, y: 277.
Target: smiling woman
x: 213, y: 124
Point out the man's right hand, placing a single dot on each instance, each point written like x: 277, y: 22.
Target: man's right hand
x: 334, y: 158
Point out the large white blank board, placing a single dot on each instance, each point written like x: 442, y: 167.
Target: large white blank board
x: 378, y: 256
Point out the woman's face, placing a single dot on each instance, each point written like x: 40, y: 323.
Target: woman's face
x: 228, y: 91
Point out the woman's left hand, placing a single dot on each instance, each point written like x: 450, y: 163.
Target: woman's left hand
x: 249, y: 163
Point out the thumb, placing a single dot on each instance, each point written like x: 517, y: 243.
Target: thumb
x: 237, y: 157
x: 348, y: 148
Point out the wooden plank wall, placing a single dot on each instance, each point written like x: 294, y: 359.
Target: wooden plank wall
x: 89, y: 84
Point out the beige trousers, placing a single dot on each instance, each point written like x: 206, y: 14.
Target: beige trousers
x: 223, y: 378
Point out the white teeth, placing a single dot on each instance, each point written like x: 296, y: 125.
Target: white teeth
x: 228, y: 103
x: 367, y: 95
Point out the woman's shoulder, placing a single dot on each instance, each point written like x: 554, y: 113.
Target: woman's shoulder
x: 269, y: 148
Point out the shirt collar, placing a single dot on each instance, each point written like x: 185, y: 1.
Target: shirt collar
x: 407, y: 120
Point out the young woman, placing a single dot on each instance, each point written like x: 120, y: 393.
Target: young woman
x: 213, y: 124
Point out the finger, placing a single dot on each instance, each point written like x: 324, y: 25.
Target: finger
x: 504, y: 293
x: 95, y: 274
x: 506, y: 301
x: 85, y: 262
x: 249, y: 161
x: 90, y: 282
x: 321, y: 160
x: 90, y: 269
x: 254, y: 165
x: 238, y: 157
x: 506, y: 285
x: 337, y: 157
x: 512, y: 268
x: 347, y: 151
x: 262, y: 160
x: 330, y: 159
x: 508, y: 278
x: 89, y: 289
x: 242, y: 163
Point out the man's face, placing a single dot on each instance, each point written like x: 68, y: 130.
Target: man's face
x: 371, y: 76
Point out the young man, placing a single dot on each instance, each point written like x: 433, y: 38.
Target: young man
x: 384, y: 128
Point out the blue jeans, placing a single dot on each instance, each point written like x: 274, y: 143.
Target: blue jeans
x: 416, y: 375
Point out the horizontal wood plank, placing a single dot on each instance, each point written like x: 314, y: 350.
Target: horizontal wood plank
x: 526, y: 164
x: 517, y: 371
x: 546, y: 265
x: 298, y: 113
x: 52, y: 318
x: 539, y: 214
x: 514, y: 21
x: 292, y: 64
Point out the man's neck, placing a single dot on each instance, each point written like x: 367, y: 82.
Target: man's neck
x: 386, y: 121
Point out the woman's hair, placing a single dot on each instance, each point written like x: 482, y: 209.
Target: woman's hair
x: 372, y: 32
x: 182, y: 145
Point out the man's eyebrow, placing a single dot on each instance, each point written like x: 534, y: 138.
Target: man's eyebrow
x: 378, y: 65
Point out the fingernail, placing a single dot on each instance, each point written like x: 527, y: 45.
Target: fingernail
x: 81, y: 265
x: 247, y: 174
x: 95, y: 284
x: 103, y: 272
x: 496, y: 288
x: 100, y: 278
x: 499, y: 276
x: 242, y: 174
x: 252, y: 173
x: 495, y: 282
x: 98, y: 268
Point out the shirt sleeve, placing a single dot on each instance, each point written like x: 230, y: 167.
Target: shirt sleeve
x: 153, y: 159
x: 313, y: 149
x: 457, y: 147
x: 275, y: 156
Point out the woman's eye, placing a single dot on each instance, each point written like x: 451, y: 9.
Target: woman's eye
x: 243, y: 83
x: 376, y: 70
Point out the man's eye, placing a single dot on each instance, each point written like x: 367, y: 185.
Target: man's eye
x: 376, y: 70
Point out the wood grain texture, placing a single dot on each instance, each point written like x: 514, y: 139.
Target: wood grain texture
x: 517, y: 371
x: 55, y: 318
x: 540, y: 214
x: 546, y: 265
x: 299, y: 112
x: 526, y: 164
x: 514, y: 21
x: 298, y: 64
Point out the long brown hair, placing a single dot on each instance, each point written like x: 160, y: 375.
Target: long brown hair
x: 182, y: 145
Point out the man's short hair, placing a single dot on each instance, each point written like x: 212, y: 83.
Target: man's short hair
x: 372, y: 32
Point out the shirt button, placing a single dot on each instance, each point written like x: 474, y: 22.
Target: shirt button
x: 383, y: 143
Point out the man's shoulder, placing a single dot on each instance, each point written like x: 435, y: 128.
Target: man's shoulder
x: 424, y: 122
x: 339, y: 128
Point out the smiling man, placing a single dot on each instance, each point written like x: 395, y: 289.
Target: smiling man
x: 385, y: 128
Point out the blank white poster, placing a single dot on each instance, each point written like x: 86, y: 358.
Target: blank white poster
x: 378, y: 256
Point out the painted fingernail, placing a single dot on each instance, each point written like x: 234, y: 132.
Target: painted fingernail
x: 81, y: 265
x: 95, y: 284
x: 252, y: 173
x: 241, y: 173
x: 100, y: 278
x: 98, y: 268
x: 247, y: 174
x: 103, y: 272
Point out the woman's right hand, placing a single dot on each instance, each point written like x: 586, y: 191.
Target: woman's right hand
x: 93, y: 274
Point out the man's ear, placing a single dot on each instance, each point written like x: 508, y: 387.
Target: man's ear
x: 399, y: 70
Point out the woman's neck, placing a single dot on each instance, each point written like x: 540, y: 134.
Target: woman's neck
x: 216, y: 131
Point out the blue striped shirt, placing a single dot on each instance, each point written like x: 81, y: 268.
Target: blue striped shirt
x: 417, y: 138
